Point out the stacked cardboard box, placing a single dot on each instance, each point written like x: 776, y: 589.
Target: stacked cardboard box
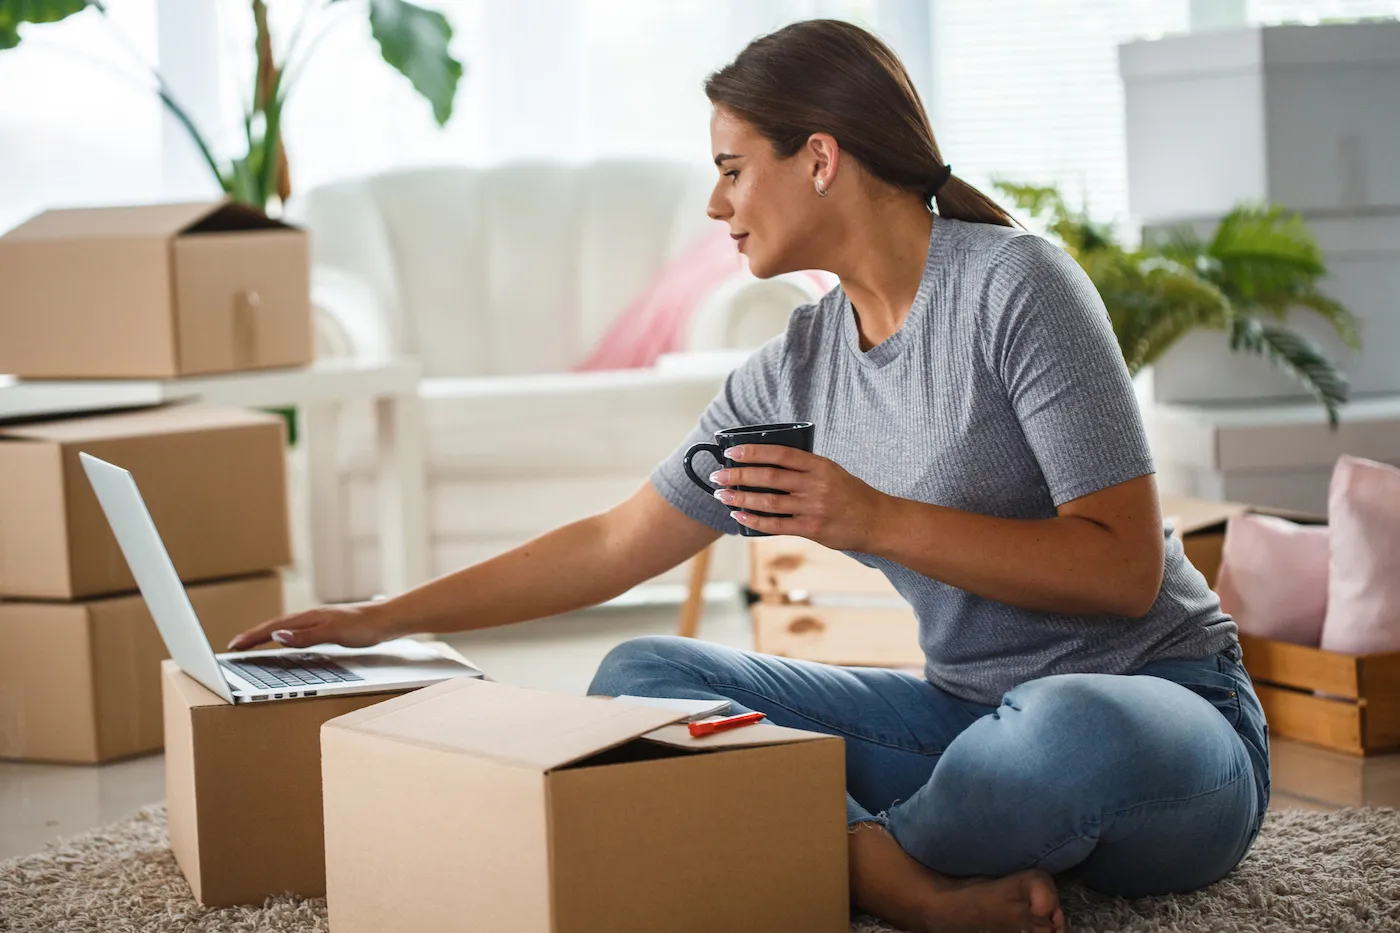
x: 79, y: 653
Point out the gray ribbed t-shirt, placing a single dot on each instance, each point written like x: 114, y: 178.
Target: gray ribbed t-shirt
x: 1004, y: 393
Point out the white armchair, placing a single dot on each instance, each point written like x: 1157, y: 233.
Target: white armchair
x: 500, y: 280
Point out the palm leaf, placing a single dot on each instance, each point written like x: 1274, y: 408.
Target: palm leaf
x: 1266, y: 257
x: 1179, y: 303
x: 1343, y: 321
x: 1296, y: 355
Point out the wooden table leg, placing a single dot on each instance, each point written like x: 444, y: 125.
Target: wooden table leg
x: 695, y: 598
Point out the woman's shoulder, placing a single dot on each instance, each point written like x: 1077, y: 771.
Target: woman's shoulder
x: 1002, y: 260
x: 992, y: 246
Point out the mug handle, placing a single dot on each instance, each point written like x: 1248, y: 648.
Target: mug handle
x: 690, y: 470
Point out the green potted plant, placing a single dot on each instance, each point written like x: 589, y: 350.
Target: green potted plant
x: 1260, y: 264
x: 412, y: 39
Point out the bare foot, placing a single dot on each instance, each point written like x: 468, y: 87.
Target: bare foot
x: 888, y: 883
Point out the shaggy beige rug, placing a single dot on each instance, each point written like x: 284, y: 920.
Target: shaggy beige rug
x: 1308, y: 871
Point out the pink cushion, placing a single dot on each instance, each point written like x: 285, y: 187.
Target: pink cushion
x: 1363, y: 605
x: 656, y: 322
x: 1273, y: 577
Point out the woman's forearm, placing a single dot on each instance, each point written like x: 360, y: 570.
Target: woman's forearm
x: 1066, y: 564
x: 563, y: 570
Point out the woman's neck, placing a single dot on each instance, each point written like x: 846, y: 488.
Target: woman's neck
x: 883, y: 265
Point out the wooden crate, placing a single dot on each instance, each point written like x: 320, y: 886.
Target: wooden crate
x: 1350, y: 703
x: 820, y: 605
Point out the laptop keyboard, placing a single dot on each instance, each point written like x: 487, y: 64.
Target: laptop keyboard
x: 302, y: 670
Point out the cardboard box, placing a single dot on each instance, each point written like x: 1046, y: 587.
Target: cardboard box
x: 153, y: 291
x: 858, y: 636
x: 820, y: 605
x: 214, y: 480
x: 243, y: 789
x: 1349, y: 703
x: 527, y: 811
x: 80, y: 682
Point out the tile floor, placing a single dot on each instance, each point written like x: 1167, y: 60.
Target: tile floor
x: 39, y: 803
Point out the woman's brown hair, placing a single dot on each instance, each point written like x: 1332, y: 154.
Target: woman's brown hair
x: 829, y: 76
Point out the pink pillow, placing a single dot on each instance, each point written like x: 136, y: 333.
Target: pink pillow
x: 1363, y: 606
x: 1273, y: 577
x: 656, y: 322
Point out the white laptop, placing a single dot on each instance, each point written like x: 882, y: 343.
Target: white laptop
x: 248, y: 676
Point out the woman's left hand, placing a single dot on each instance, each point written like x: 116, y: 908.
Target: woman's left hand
x: 827, y: 504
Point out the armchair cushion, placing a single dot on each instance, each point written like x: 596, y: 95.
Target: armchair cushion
x: 551, y: 424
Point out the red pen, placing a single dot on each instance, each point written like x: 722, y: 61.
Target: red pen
x: 698, y: 729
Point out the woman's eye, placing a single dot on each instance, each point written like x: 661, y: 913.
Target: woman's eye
x: 732, y: 174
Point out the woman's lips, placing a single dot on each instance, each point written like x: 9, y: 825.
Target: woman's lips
x: 740, y: 240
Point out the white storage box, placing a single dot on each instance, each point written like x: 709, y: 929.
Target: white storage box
x: 1278, y: 456
x: 1305, y: 116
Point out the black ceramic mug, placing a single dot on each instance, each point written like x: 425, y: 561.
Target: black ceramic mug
x: 797, y: 434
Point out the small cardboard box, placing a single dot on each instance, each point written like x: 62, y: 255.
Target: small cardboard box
x: 153, y: 291
x: 499, y: 808
x: 243, y: 789
x: 80, y: 682
x: 213, y: 478
x: 1349, y: 703
x: 821, y: 605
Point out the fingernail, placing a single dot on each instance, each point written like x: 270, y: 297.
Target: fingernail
x: 724, y: 495
x: 281, y: 636
x: 742, y: 517
x: 735, y: 453
x: 231, y: 644
x: 719, y: 476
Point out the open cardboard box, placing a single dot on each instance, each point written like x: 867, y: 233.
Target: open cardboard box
x: 153, y: 291
x: 472, y: 804
x: 1350, y: 703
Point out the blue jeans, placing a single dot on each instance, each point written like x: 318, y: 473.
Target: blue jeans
x: 1148, y: 783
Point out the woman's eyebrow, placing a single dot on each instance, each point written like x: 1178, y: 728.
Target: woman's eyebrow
x: 725, y: 156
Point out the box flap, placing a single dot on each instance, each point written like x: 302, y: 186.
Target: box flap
x: 230, y: 217
x: 763, y: 733
x: 513, y: 725
x: 165, y: 420
x: 141, y: 220
x: 1189, y: 516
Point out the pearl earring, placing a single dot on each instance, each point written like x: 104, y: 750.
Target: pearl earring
x: 821, y: 191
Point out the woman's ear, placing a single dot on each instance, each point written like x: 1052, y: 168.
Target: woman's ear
x: 824, y: 155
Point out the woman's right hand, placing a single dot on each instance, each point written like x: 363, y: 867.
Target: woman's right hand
x: 354, y: 625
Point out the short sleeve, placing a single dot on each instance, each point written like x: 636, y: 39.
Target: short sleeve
x: 749, y: 397
x: 1049, y: 339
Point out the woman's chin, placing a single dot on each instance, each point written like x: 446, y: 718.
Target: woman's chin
x: 760, y: 268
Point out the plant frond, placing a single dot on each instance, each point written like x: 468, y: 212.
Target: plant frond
x: 1296, y: 355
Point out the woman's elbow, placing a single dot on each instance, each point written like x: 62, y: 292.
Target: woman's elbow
x: 1138, y: 590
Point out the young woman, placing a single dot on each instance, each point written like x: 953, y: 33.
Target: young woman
x: 1083, y: 707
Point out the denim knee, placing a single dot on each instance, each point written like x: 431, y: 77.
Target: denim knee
x: 628, y: 667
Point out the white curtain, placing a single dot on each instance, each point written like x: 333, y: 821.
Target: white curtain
x: 1021, y: 89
